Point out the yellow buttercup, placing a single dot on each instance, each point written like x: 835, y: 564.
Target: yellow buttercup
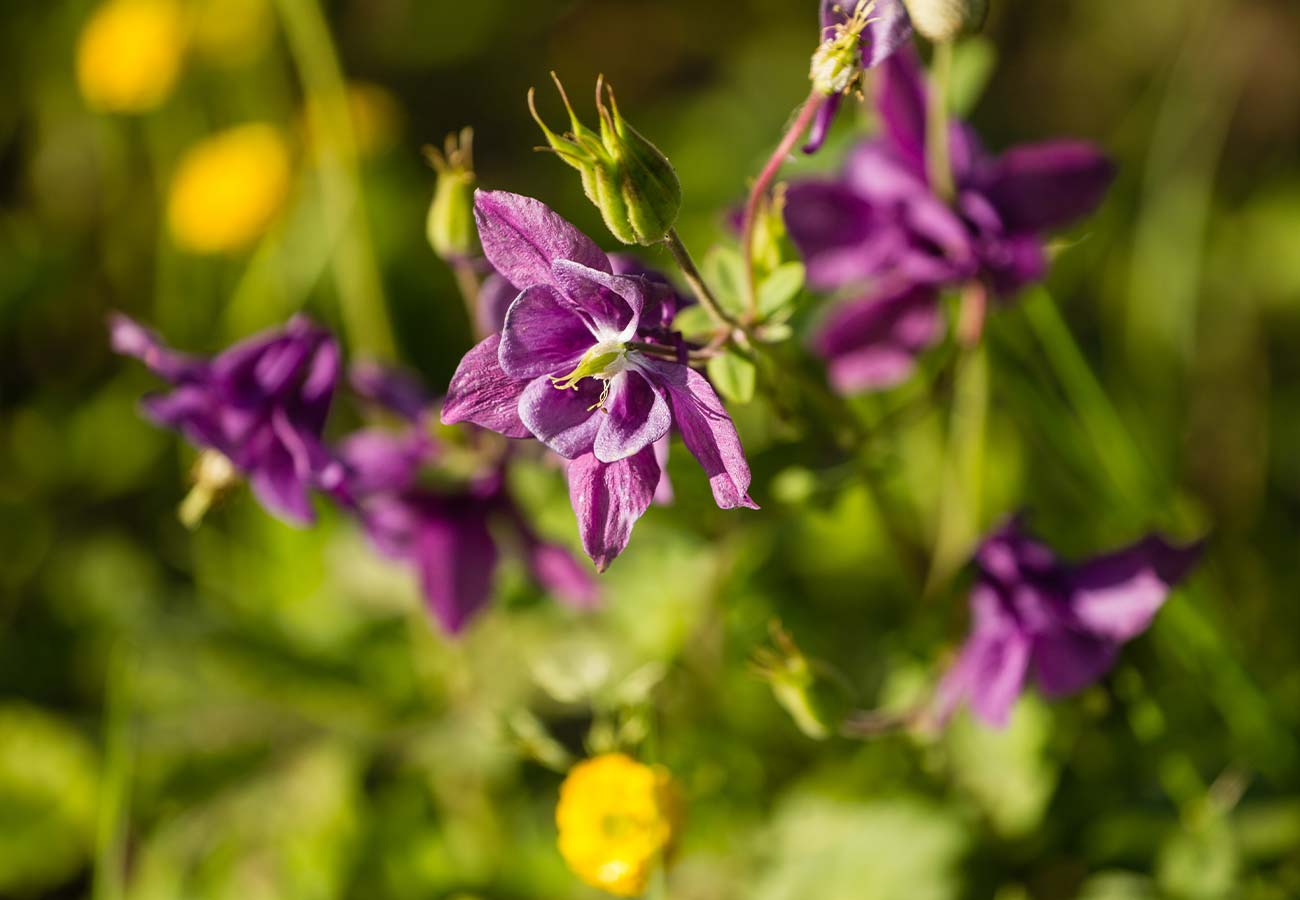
x: 129, y: 54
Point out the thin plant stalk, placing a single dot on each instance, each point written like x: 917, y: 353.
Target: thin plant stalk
x: 938, y: 155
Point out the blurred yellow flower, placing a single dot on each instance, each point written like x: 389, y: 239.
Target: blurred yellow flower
x: 617, y: 819
x: 129, y: 54
x: 232, y: 32
x: 228, y: 188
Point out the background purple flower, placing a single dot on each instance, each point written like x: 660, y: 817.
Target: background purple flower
x: 1061, y: 624
x: 262, y: 403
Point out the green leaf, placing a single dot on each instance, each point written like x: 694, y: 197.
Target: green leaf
x: 724, y: 272
x: 693, y: 320
x: 777, y: 293
x: 733, y: 376
x: 972, y: 66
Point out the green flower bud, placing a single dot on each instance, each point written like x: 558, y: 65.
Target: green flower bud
x: 623, y: 174
x: 815, y: 698
x: 943, y: 20
x: 450, y: 225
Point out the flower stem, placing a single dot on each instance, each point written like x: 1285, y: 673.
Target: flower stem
x: 682, y: 257
x: 468, y: 284
x: 938, y: 159
x: 764, y: 181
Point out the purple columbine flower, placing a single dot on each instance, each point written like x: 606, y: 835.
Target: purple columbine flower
x: 1062, y: 624
x: 445, y: 534
x: 855, y: 35
x: 880, y: 230
x: 570, y: 367
x: 262, y: 403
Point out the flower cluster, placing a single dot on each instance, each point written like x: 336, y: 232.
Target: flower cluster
x: 881, y: 234
x: 260, y: 407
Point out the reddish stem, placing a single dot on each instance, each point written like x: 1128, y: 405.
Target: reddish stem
x: 764, y: 181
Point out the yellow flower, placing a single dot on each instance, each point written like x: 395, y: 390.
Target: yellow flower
x: 617, y: 819
x: 228, y: 188
x: 129, y: 54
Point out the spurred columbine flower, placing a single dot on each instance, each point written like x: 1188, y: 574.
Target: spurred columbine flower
x: 856, y: 35
x: 617, y: 819
x: 628, y: 179
x: 261, y: 403
x: 570, y: 369
x: 880, y: 229
x: 1062, y: 624
x: 443, y: 532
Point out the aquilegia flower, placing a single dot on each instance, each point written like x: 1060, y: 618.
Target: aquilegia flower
x: 617, y: 819
x: 1062, y: 624
x: 445, y: 533
x: 879, y: 229
x: 261, y: 403
x: 572, y: 368
x: 856, y: 35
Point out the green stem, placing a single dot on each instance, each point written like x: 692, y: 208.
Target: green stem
x: 682, y: 257
x: 115, y: 788
x: 937, y: 156
x: 468, y: 284
x: 356, y: 273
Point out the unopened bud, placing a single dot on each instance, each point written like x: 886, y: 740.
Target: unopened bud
x: 816, y: 701
x: 628, y: 179
x: 450, y: 226
x: 943, y: 20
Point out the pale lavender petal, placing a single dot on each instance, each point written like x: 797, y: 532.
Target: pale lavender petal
x: 610, y: 304
x: 636, y: 414
x: 522, y: 237
x: 457, y: 559
x: 876, y: 171
x: 608, y: 498
x: 1048, y: 185
x: 481, y: 393
x: 375, y: 460
x: 1117, y: 595
x: 842, y: 236
x: 555, y: 569
x: 873, y: 343
x: 565, y: 420
x: 901, y: 102
x: 543, y: 335
x: 707, y: 431
x: 130, y: 338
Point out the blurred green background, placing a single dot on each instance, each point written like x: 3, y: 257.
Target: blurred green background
x: 256, y: 712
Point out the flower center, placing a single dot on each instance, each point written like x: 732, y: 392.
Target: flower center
x: 837, y: 62
x: 603, y: 361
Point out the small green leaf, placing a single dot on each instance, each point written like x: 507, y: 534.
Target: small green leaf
x: 733, y: 376
x: 724, y: 272
x: 778, y: 291
x: 973, y: 64
x: 694, y: 320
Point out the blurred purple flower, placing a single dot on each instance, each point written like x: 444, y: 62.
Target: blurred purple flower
x: 886, y: 28
x: 1064, y: 624
x: 444, y: 534
x: 565, y: 370
x: 880, y: 228
x: 262, y: 403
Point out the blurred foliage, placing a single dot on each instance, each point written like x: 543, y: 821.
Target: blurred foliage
x: 251, y: 711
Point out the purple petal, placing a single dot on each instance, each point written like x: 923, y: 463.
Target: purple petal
x: 376, y: 460
x: 1049, y: 185
x: 457, y: 559
x: 901, y: 102
x: 280, y: 483
x: 610, y: 304
x: 821, y: 126
x: 481, y: 393
x: 636, y: 414
x: 128, y: 337
x: 1117, y: 595
x: 523, y: 237
x: 566, y: 421
x: 842, y: 236
x: 990, y: 672
x: 1066, y: 661
x: 494, y: 298
x: 393, y: 389
x: 543, y: 335
x: 876, y: 172
x: 555, y: 569
x: 189, y: 410
x: 888, y: 28
x: 873, y: 343
x: 608, y: 498
x: 707, y: 431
